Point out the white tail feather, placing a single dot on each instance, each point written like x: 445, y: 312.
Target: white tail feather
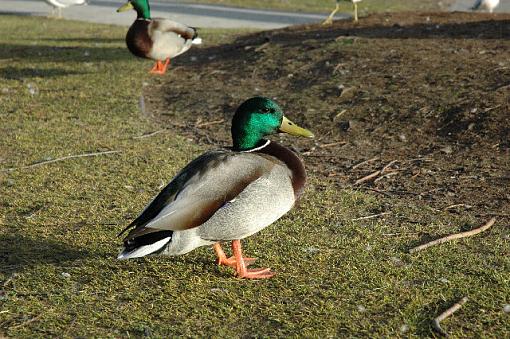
x: 196, y: 41
x: 144, y: 250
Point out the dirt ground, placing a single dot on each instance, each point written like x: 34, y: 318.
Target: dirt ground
x: 423, y: 97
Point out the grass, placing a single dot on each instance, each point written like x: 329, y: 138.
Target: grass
x: 325, y: 6
x: 72, y: 88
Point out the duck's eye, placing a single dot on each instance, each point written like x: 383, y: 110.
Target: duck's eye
x: 266, y: 110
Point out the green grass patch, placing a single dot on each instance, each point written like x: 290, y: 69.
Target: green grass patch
x: 72, y: 88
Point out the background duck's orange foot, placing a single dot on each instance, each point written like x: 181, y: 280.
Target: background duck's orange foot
x: 257, y: 273
x: 231, y: 262
x: 159, y: 67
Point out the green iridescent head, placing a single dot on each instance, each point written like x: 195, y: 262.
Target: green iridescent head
x: 141, y: 7
x: 258, y: 117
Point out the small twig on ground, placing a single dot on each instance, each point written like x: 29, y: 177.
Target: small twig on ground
x: 491, y: 108
x: 385, y: 176
x: 217, y: 71
x: 364, y: 162
x: 374, y: 174
x: 454, y: 236
x: 368, y: 177
x: 149, y: 134
x: 340, y: 114
x: 342, y: 64
x: 457, y: 205
x: 436, y: 322
x: 204, y: 124
x: 385, y: 168
x: 61, y: 159
x: 333, y: 144
x: 371, y: 216
x: 414, y: 176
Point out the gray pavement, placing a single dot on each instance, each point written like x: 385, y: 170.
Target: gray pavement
x: 465, y: 5
x: 197, y: 15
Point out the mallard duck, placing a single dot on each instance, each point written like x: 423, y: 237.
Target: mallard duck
x: 486, y: 4
x: 157, y: 39
x: 329, y: 19
x: 226, y: 194
x: 59, y: 4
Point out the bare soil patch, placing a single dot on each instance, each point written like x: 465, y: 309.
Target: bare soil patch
x: 425, y: 94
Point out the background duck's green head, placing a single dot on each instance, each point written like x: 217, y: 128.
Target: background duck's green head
x: 258, y: 117
x: 141, y: 7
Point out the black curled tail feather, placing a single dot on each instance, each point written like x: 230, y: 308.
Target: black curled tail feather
x: 195, y: 33
x: 146, y: 239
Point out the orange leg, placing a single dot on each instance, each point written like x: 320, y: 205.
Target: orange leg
x: 165, y: 65
x: 231, y: 262
x: 242, y: 271
x: 159, y: 67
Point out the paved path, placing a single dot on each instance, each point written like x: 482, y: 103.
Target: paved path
x: 103, y: 11
x: 465, y: 5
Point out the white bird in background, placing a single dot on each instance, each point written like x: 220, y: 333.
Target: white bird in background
x: 59, y: 4
x: 485, y: 4
x: 329, y: 19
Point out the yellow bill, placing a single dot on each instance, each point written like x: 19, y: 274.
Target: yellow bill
x: 126, y: 7
x: 291, y: 128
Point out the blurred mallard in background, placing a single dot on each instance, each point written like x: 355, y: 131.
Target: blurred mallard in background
x: 489, y: 5
x: 59, y: 4
x: 157, y: 39
x: 329, y: 19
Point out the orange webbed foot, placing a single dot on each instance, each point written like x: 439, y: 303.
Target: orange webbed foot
x: 159, y: 67
x: 242, y: 271
x: 231, y: 262
x: 239, y: 263
x: 257, y: 273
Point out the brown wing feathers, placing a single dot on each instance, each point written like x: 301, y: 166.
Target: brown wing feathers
x: 196, y: 212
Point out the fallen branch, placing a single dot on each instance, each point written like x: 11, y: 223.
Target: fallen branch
x: 454, y: 236
x: 371, y: 216
x: 436, y: 322
x: 61, y: 159
x: 368, y: 177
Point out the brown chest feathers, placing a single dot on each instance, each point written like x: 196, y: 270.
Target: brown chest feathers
x: 293, y: 163
x: 137, y: 38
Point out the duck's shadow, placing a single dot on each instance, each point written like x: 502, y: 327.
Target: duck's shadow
x: 19, y: 252
x: 13, y: 73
